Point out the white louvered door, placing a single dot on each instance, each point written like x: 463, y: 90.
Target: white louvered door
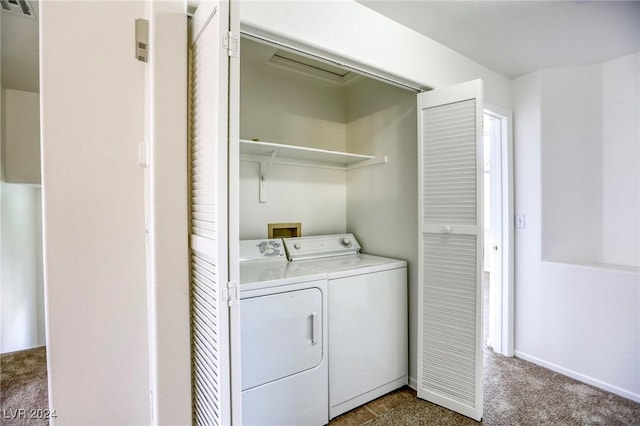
x: 450, y: 308
x: 209, y: 149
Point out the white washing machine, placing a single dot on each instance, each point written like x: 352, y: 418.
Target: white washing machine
x: 368, y: 318
x: 283, y: 308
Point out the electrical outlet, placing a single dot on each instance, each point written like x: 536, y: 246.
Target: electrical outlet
x: 520, y: 221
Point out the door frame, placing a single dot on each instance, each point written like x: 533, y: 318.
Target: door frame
x: 163, y: 156
x: 503, y: 342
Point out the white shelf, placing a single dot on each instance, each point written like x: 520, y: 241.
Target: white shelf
x: 343, y: 159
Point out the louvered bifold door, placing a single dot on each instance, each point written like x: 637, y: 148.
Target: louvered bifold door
x: 208, y: 144
x: 449, y: 329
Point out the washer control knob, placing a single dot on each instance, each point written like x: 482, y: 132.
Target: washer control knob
x: 346, y: 242
x: 296, y: 246
x: 269, y: 249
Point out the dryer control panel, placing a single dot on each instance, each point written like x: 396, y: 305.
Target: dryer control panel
x: 304, y: 248
x: 262, y: 250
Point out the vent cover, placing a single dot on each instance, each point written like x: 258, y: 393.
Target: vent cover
x: 19, y: 7
x: 309, y: 67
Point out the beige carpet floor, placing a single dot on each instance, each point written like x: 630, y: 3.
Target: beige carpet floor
x: 23, y: 388
x: 516, y: 392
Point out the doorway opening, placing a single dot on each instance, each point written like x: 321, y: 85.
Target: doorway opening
x: 498, y: 232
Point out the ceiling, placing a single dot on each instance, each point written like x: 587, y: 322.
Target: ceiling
x: 19, y: 38
x: 510, y: 37
x: 518, y: 37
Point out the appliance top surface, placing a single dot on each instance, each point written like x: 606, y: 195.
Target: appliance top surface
x: 261, y: 274
x: 355, y: 264
x: 304, y: 248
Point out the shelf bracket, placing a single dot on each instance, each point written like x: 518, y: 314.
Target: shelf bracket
x: 263, y: 171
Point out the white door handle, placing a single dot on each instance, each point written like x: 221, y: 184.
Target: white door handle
x: 315, y: 328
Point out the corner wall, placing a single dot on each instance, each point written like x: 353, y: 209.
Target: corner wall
x: 591, y: 163
x: 621, y: 161
x: 571, y: 158
x: 382, y: 200
x: 579, y: 320
x: 21, y: 139
x: 22, y: 324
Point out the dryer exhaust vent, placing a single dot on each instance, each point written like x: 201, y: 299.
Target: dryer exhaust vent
x: 19, y: 7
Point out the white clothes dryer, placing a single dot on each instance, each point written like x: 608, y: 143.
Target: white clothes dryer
x: 283, y: 314
x: 368, y: 318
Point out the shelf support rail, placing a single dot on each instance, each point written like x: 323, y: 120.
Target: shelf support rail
x: 264, y: 168
x: 373, y: 162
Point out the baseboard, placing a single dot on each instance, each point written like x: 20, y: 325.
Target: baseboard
x: 413, y: 383
x: 578, y: 376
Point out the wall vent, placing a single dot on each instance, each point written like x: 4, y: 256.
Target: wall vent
x: 19, y: 7
x: 310, y: 67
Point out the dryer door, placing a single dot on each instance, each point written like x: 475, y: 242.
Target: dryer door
x: 281, y: 335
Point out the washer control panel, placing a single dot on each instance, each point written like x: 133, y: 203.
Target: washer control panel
x: 303, y: 248
x: 262, y: 249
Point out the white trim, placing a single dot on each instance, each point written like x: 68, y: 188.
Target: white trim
x: 233, y: 218
x: 579, y: 376
x: 504, y: 340
x: 598, y: 266
x: 413, y: 383
x: 166, y: 216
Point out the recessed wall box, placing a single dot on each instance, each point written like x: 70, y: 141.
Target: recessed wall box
x: 284, y: 230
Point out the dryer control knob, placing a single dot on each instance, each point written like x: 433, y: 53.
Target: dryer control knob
x: 296, y: 246
x: 345, y: 242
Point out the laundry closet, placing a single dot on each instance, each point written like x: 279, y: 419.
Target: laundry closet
x: 324, y: 154
x: 340, y: 163
x: 290, y: 99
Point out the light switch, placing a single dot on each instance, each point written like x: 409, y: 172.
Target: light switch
x: 520, y: 221
x: 143, y: 155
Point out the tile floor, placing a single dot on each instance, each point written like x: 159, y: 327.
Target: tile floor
x: 374, y: 409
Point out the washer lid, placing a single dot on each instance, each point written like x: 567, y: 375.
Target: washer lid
x: 267, y: 249
x: 345, y: 266
x: 303, y: 248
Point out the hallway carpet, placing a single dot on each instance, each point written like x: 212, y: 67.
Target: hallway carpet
x: 23, y: 387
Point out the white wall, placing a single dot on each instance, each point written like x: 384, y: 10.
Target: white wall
x: 382, y: 200
x: 21, y: 139
x: 92, y: 117
x: 283, y: 107
x: 22, y: 324
x: 579, y: 320
x: 590, y: 161
x: 571, y: 128
x: 621, y: 161
x: 22, y: 306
